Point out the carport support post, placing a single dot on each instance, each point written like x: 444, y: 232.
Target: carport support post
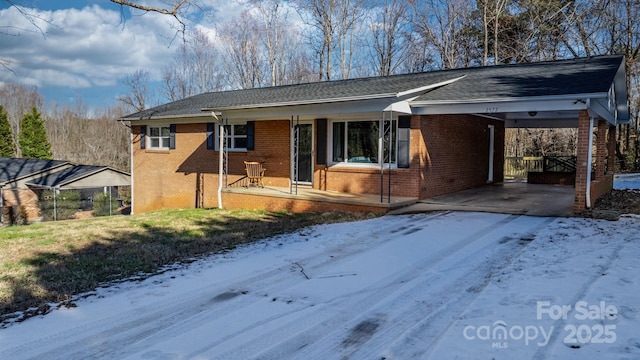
x: 583, y: 159
x: 611, y: 150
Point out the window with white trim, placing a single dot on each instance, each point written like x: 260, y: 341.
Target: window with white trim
x: 235, y: 137
x: 356, y: 142
x: 159, y: 137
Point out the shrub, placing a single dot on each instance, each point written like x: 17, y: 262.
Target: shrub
x: 15, y: 215
x: 101, y: 204
x: 66, y: 204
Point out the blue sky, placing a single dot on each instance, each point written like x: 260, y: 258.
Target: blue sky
x: 84, y: 48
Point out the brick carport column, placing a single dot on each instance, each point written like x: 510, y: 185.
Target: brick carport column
x: 601, y: 149
x: 580, y: 200
x: 611, y: 150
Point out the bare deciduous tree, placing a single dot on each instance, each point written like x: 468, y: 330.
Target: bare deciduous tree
x: 273, y: 19
x: 241, y: 44
x: 139, y: 94
x: 88, y: 137
x: 334, y: 24
x: 441, y: 25
x: 386, y: 31
x: 194, y: 69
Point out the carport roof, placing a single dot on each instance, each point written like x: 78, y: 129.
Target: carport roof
x: 12, y: 169
x: 580, y: 77
x: 66, y: 177
x: 567, y: 77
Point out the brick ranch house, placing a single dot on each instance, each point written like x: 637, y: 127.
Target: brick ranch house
x: 398, y: 138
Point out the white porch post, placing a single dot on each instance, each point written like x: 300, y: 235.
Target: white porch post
x: 220, y: 164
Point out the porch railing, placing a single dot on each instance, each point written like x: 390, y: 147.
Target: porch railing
x: 519, y: 167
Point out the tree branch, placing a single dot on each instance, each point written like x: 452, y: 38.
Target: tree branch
x: 174, y: 11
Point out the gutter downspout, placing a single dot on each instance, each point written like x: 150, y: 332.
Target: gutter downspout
x: 131, y: 150
x: 220, y: 157
x: 589, y: 159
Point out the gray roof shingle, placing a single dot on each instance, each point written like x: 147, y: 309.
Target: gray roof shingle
x: 576, y: 76
x: 14, y: 168
x: 65, y: 176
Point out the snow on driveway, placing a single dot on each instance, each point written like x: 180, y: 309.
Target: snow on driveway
x: 426, y: 286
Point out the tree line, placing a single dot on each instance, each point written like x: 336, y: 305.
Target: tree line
x: 278, y: 43
x: 274, y: 42
x: 28, y: 129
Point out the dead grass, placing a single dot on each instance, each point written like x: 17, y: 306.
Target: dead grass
x: 51, y: 262
x: 615, y: 203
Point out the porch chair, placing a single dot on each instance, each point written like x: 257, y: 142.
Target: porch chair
x: 255, y: 173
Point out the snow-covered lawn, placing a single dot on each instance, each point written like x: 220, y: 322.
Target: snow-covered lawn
x: 427, y: 286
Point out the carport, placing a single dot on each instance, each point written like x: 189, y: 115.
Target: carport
x: 79, y: 177
x: 592, y: 98
x: 512, y: 197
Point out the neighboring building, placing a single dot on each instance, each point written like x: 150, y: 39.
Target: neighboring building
x: 412, y: 136
x: 22, y: 180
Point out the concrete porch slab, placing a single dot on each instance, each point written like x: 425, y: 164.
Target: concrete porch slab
x: 308, y: 199
x: 506, y: 198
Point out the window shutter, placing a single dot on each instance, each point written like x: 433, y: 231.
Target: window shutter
x: 210, y: 136
x: 172, y: 136
x: 404, y: 127
x: 251, y: 135
x: 143, y: 138
x: 321, y: 141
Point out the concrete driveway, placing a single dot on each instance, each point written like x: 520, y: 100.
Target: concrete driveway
x: 518, y: 198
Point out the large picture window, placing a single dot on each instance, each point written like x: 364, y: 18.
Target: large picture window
x: 356, y: 142
x: 159, y: 137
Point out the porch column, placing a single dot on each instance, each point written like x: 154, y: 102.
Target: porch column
x: 611, y: 150
x: 601, y: 149
x: 582, y: 158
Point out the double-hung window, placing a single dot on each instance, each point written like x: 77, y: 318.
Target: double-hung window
x: 159, y: 137
x: 235, y: 137
x: 357, y: 142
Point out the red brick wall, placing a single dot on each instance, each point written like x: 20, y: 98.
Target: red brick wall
x: 448, y: 153
x: 551, y: 178
x: 611, y: 149
x: 187, y: 176
x: 601, y: 149
x: 456, y: 153
x: 254, y: 202
x: 601, y: 187
x: 26, y: 198
x: 580, y: 200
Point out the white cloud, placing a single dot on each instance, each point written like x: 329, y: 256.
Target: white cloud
x: 83, y: 47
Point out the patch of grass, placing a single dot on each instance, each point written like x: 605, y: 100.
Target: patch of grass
x: 51, y: 262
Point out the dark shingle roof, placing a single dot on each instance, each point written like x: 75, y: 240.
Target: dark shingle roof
x: 66, y: 175
x: 577, y: 76
x: 14, y: 168
x: 293, y: 94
